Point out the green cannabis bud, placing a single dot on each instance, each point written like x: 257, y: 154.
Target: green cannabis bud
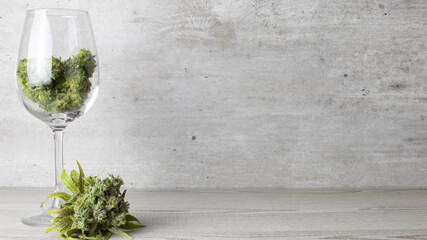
x: 55, y: 85
x: 95, y: 209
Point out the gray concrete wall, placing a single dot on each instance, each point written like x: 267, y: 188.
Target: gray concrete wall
x: 237, y: 94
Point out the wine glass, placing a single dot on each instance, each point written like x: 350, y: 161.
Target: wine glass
x: 57, y: 77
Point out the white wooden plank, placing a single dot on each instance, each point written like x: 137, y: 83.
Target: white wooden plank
x: 388, y: 214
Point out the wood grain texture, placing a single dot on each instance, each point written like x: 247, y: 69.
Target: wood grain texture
x: 237, y: 94
x: 184, y: 215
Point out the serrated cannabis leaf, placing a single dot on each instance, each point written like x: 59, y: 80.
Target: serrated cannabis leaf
x: 96, y: 208
x: 69, y: 183
x: 75, y: 176
x: 130, y: 218
x: 60, y: 195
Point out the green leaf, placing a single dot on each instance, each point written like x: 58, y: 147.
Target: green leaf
x: 55, y: 225
x: 62, y: 233
x: 60, y: 195
x: 56, y: 220
x: 124, y: 193
x: 54, y: 212
x: 82, y: 236
x: 75, y: 176
x: 93, y: 230
x: 131, y: 226
x: 82, y: 174
x: 59, y: 224
x: 107, y: 235
x: 81, y: 177
x: 119, y: 232
x: 73, y: 238
x: 73, y: 231
x: 130, y: 218
x: 61, y: 212
x: 68, y: 182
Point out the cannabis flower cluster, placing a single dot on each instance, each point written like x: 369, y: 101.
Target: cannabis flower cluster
x: 95, y: 209
x: 55, y: 85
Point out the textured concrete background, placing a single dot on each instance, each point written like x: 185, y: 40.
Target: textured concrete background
x: 237, y: 94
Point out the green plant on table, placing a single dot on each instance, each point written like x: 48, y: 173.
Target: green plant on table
x: 95, y: 209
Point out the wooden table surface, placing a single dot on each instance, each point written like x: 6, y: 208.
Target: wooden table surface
x: 369, y: 214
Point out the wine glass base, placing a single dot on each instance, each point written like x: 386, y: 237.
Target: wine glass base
x: 40, y: 219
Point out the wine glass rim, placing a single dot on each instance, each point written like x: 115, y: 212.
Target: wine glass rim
x: 58, y: 12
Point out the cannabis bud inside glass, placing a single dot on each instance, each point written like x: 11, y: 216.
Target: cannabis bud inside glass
x: 57, y: 77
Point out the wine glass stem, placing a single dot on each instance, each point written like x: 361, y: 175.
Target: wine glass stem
x: 59, y: 165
